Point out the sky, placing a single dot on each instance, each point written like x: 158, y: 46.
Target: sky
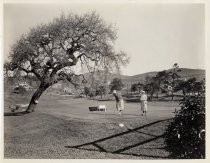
x: 154, y: 36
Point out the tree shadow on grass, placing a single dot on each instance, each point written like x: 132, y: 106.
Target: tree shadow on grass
x: 16, y: 113
x: 128, y: 154
x: 122, y: 150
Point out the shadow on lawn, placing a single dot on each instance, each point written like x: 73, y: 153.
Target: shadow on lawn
x: 16, y: 113
x: 122, y: 150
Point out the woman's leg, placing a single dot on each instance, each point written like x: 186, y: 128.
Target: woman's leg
x: 142, y: 107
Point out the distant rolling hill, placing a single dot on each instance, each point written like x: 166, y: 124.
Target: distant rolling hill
x: 190, y: 73
x: 137, y: 78
x: 185, y: 73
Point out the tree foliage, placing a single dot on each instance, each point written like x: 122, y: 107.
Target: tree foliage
x: 161, y: 78
x: 52, y: 51
x: 173, y: 77
x: 87, y: 91
x: 101, y: 90
x: 116, y: 84
x: 185, y: 135
x: 136, y: 87
x: 190, y: 86
x: 151, y: 85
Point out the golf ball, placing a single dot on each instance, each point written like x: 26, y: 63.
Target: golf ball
x: 121, y: 125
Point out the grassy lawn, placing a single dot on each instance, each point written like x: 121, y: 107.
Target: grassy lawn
x: 62, y: 127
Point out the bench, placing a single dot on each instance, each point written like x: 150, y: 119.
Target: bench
x: 102, y: 108
x: 98, y: 108
x: 17, y: 107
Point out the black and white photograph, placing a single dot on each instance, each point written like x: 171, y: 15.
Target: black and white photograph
x: 112, y: 80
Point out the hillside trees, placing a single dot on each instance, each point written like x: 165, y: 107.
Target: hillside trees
x: 136, y: 87
x: 190, y: 86
x: 160, y: 82
x: 173, y: 74
x: 51, y: 52
x: 161, y: 79
x: 116, y: 84
x: 151, y: 86
x: 101, y: 90
x: 86, y: 91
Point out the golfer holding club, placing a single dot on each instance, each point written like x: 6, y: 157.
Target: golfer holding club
x: 143, y: 100
x: 119, y: 101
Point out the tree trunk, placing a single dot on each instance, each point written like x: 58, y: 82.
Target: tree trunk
x: 184, y: 94
x: 172, y: 91
x: 172, y: 95
x: 36, y: 96
x: 157, y: 94
x: 151, y: 96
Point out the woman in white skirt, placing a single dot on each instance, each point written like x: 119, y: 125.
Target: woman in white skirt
x: 119, y: 101
x: 143, y: 100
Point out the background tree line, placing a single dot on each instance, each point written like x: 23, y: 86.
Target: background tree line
x: 168, y: 83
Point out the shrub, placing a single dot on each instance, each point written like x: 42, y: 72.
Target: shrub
x: 185, y: 135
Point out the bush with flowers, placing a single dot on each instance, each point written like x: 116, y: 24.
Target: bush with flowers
x: 185, y: 135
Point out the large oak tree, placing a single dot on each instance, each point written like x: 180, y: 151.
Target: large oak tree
x: 51, y: 51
